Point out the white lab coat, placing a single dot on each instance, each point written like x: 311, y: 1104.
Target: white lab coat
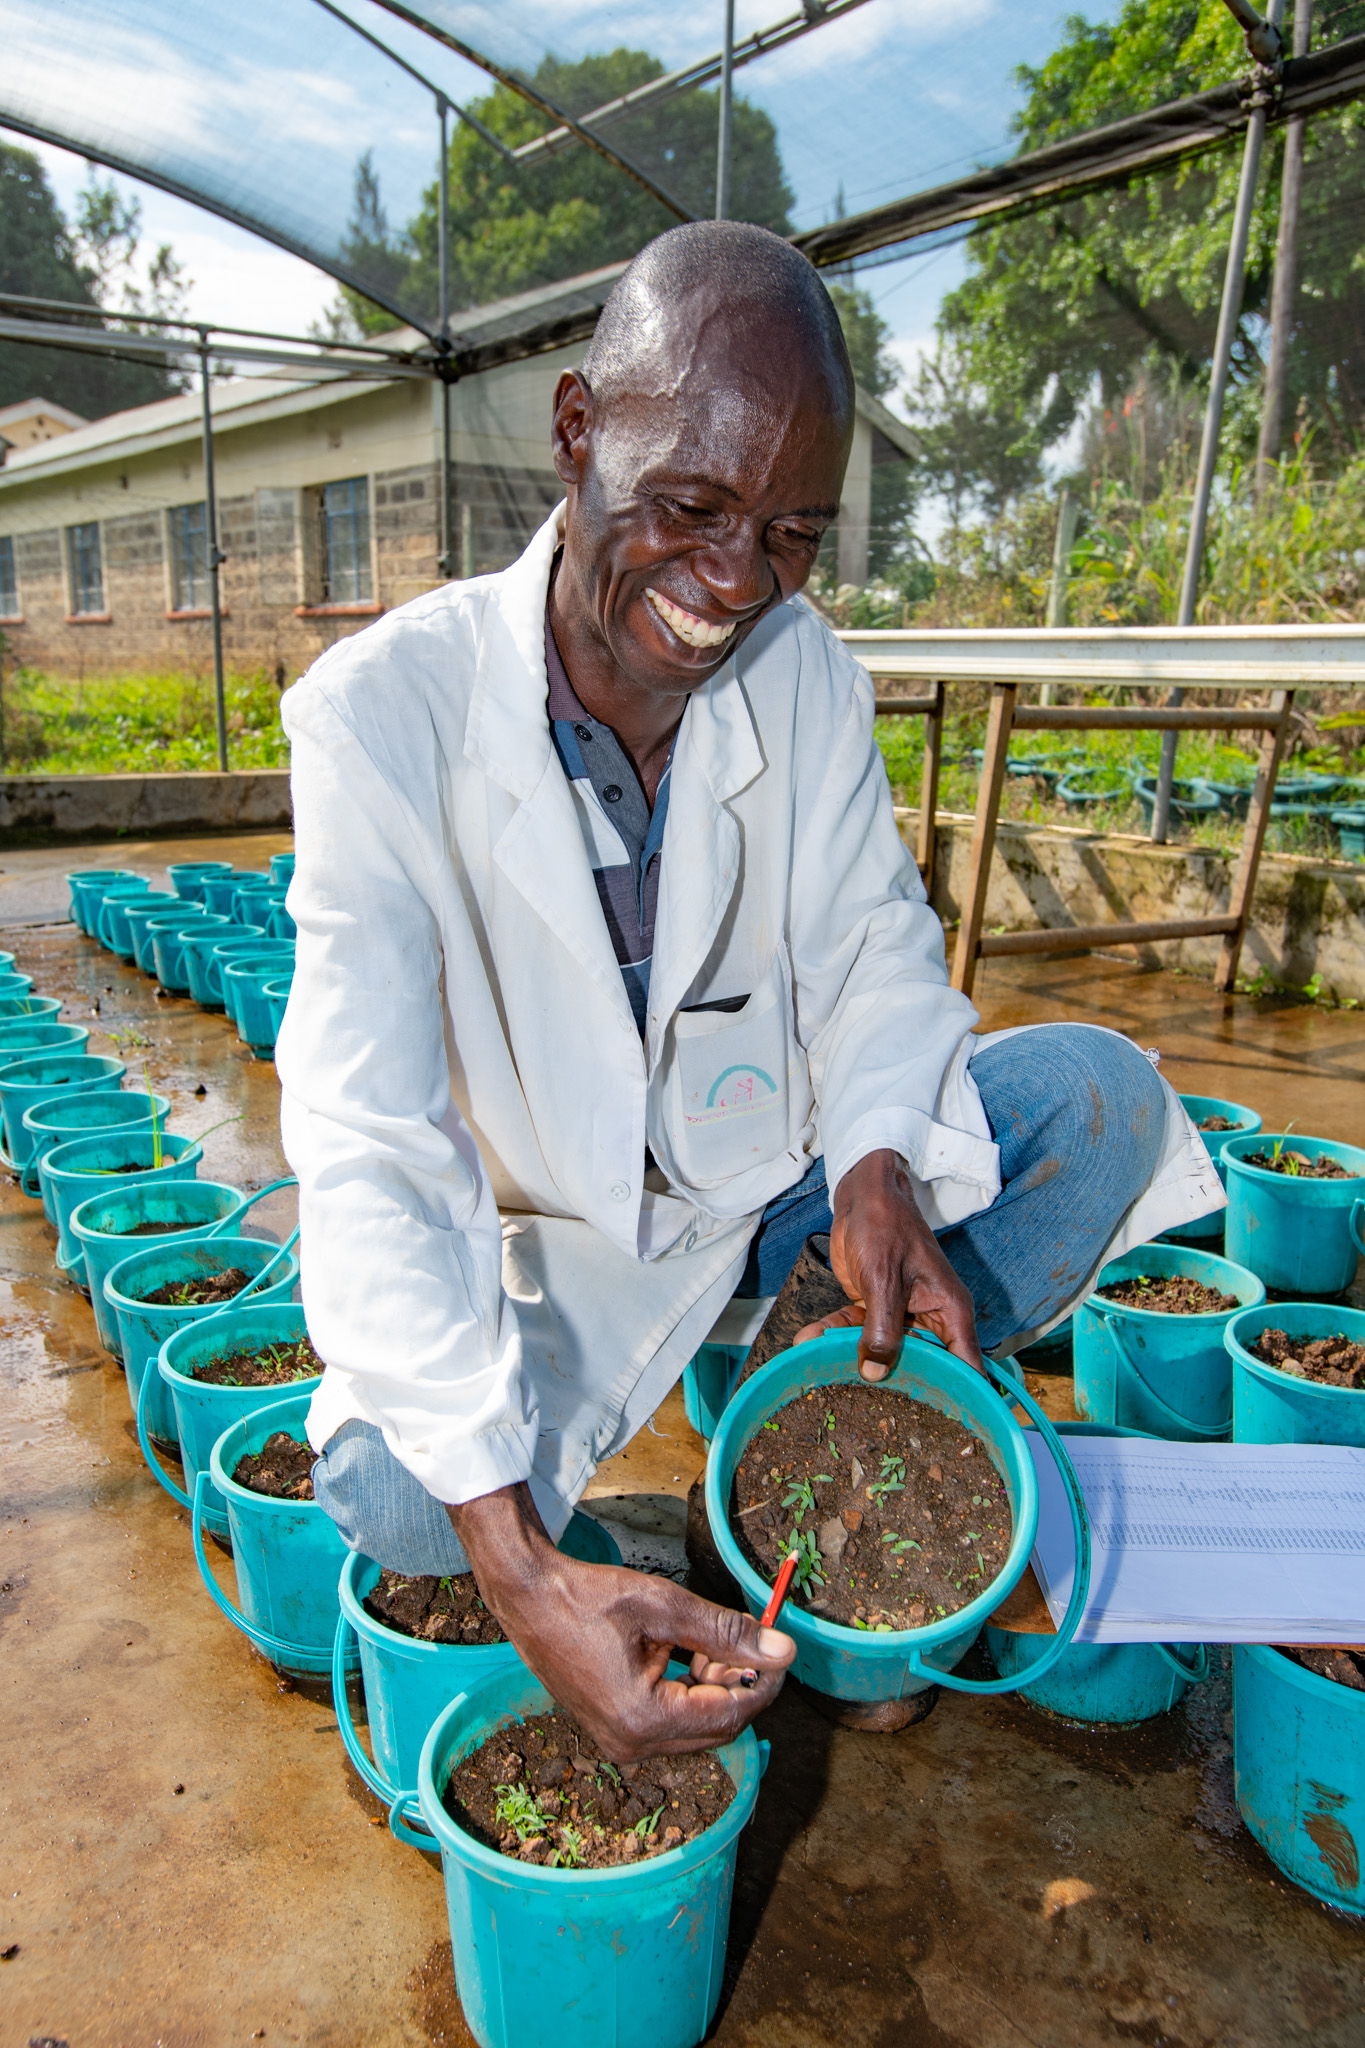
x: 466, y: 1098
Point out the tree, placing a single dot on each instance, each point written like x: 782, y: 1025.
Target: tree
x: 41, y: 256
x: 1098, y: 296
x: 512, y: 229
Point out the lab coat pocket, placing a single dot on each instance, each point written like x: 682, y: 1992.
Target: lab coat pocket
x: 734, y: 1072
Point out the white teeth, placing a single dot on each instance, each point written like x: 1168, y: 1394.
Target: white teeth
x: 686, y: 625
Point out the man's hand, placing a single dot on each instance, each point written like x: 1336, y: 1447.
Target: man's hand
x: 600, y: 1638
x: 887, y: 1261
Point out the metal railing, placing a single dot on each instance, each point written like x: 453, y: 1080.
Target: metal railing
x: 1225, y: 659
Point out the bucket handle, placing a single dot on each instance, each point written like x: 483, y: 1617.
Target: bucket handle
x: 1202, y: 1429
x: 301, y: 1656
x: 266, y: 1269
x: 1080, y: 1529
x: 1192, y: 1673
x: 150, y: 1371
x: 235, y: 1215
x: 402, y: 1805
x: 1357, y: 1216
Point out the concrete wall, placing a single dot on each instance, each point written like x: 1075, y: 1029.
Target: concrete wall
x: 91, y: 807
x: 1308, y: 915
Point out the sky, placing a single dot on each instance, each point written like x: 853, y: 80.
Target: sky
x: 898, y: 96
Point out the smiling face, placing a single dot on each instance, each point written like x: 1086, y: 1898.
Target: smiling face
x: 697, y: 500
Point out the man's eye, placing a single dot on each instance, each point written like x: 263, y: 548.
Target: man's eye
x: 688, y: 511
x: 797, y: 536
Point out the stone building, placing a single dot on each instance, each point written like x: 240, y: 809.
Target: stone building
x: 328, y: 510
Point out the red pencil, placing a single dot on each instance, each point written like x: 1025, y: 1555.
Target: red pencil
x: 781, y: 1586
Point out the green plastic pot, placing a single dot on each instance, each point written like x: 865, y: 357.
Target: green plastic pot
x: 72, y: 1173
x: 244, y: 982
x: 137, y: 916
x: 196, y: 951
x: 227, y: 950
x: 29, y: 1009
x: 31, y: 1078
x: 103, y: 1226
x: 189, y: 876
x: 168, y: 948
x: 21, y: 1038
x: 266, y: 958
x: 63, y: 1119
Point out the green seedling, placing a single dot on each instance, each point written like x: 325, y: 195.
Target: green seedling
x: 902, y: 1543
x: 772, y: 1424
x: 612, y: 1772
x: 801, y: 1494
x: 569, y: 1854
x: 518, y: 1811
x: 892, y: 1479
x: 809, y: 1562
x: 645, y: 1828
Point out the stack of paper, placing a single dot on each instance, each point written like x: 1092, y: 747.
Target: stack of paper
x: 1216, y: 1543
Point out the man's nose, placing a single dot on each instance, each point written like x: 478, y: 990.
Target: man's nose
x: 736, y: 570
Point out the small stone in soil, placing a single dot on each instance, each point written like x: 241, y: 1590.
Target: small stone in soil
x: 1343, y: 1667
x: 1174, y: 1294
x: 433, y: 1610
x: 1217, y: 1123
x: 541, y: 1791
x: 282, y: 1468
x: 273, y: 1365
x: 1332, y: 1361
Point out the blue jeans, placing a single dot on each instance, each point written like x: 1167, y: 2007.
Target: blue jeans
x: 1078, y: 1115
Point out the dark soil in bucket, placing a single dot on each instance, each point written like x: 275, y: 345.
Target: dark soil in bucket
x: 1173, y: 1295
x: 272, y: 1365
x: 1343, y: 1667
x: 153, y: 1229
x: 199, y: 1293
x: 898, y: 1515
x: 1298, y: 1166
x: 283, y: 1468
x: 1333, y: 1361
x: 542, y: 1791
x: 432, y: 1610
x: 1218, y: 1123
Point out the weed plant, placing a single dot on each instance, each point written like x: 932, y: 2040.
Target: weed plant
x: 136, y: 724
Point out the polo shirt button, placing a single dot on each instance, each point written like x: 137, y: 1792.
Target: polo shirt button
x: 612, y: 793
x: 689, y: 1242
x: 619, y: 1191
x: 584, y: 732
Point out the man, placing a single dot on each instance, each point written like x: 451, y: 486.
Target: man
x: 613, y: 974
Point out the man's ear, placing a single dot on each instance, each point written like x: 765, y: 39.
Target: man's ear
x: 572, y: 426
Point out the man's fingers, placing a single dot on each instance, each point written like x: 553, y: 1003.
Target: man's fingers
x: 879, y: 1346
x: 842, y: 1319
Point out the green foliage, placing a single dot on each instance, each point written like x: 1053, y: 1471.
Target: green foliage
x: 93, y: 263
x: 1079, y: 297
x: 809, y: 1562
x: 513, y: 228
x: 890, y: 1480
x: 518, y: 1811
x: 137, y: 724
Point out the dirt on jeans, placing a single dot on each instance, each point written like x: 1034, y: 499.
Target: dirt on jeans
x: 282, y: 1468
x: 898, y: 1514
x: 433, y: 1610
x: 1343, y: 1667
x: 1332, y: 1361
x: 1298, y: 1166
x: 199, y: 1293
x: 270, y: 1365
x: 542, y: 1791
x: 1218, y: 1123
x: 1170, y: 1295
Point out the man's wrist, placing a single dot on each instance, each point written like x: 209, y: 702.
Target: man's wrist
x: 504, y: 1539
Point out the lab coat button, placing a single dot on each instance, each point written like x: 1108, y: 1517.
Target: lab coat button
x: 626, y: 1023
x: 619, y: 1191
x: 689, y: 1242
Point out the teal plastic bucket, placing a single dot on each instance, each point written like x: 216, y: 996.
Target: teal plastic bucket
x: 36, y: 1076
x: 408, y: 1683
x: 138, y: 915
x: 6, y: 962
x: 28, y: 1009
x: 12, y: 984
x: 1192, y: 798
x: 71, y: 1173
x: 1350, y: 826
x: 114, y: 895
x: 1299, y: 1236
x: 708, y: 1381
x: 282, y: 867
x: 1272, y: 1407
x: 219, y: 890
x: 22, y: 1039
x: 244, y: 981
x: 196, y: 949
x: 281, y: 924
x: 287, y: 1553
x: 848, y: 1663
x: 239, y: 972
x: 1164, y: 1375
x: 227, y: 950
x: 65, y: 1118
x: 581, y: 1958
x: 164, y: 936
x: 1248, y: 1124
x: 1112, y: 1685
x: 114, y: 930
x: 143, y: 1326
x: 87, y: 885
x: 102, y: 1226
x: 203, y: 1411
x: 251, y: 891
x: 276, y: 993
x: 189, y: 876
x: 1299, y: 1764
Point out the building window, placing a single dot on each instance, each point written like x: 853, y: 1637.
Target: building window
x: 345, y: 510
x: 87, y: 573
x: 9, y: 581
x: 189, y: 528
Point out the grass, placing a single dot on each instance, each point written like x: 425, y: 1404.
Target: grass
x: 136, y: 724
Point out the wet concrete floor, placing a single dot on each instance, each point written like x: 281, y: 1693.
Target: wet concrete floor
x: 188, y: 1861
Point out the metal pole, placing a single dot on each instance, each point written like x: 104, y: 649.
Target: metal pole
x: 1068, y: 518
x: 1229, y: 313
x: 214, y: 558
x: 727, y: 80
x: 446, y: 559
x: 1286, y: 270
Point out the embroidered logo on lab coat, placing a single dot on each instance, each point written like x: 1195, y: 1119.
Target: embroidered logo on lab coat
x: 738, y: 1091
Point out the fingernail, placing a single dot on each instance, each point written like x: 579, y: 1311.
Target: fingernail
x: 771, y: 1642
x: 872, y: 1370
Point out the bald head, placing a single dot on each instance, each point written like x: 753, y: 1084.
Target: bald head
x: 717, y: 285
